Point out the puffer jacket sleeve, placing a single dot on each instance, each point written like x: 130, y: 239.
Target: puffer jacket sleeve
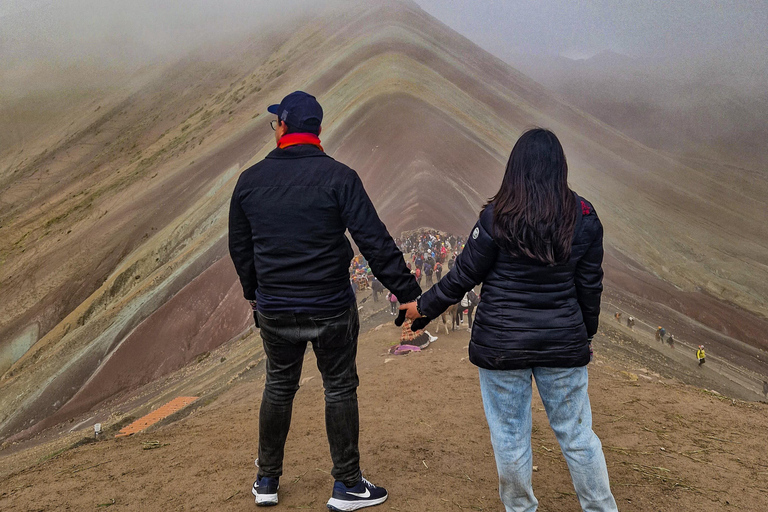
x: 472, y: 265
x: 589, y: 276
x: 241, y: 246
x: 375, y: 243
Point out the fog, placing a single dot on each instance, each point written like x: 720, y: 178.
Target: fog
x: 128, y: 32
x: 686, y: 37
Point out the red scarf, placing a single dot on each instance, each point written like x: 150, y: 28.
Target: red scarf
x: 294, y: 139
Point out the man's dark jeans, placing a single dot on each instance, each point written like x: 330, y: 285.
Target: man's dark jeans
x: 334, y: 341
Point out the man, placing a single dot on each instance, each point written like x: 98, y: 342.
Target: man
x: 376, y: 288
x: 428, y: 271
x: 701, y: 355
x: 474, y: 301
x: 287, y: 224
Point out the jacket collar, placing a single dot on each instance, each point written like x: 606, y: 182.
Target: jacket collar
x: 299, y: 151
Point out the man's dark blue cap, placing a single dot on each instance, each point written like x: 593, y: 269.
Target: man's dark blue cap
x: 300, y: 111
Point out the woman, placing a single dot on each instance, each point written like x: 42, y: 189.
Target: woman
x: 392, y: 303
x: 537, y: 249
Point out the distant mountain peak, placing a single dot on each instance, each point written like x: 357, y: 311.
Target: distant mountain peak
x: 610, y: 57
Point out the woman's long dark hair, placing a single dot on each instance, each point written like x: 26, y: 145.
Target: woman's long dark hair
x: 534, y: 211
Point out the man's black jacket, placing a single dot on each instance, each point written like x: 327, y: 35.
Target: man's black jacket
x: 530, y: 314
x: 287, y: 224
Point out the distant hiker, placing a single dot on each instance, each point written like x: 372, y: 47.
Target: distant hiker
x: 418, y: 275
x: 376, y: 289
x: 631, y: 322
x: 617, y: 316
x: 660, y: 332
x: 392, y: 303
x: 438, y: 271
x: 428, y: 271
x: 300, y: 198
x: 700, y: 355
x: 451, y: 263
x: 464, y: 307
x: 474, y: 300
x: 671, y: 341
x: 538, y: 250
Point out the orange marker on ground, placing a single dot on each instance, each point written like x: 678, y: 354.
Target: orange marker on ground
x: 158, y: 414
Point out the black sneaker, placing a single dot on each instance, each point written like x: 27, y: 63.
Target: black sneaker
x: 362, y: 495
x: 265, y: 490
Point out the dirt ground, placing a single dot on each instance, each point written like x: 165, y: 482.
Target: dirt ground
x: 669, y: 446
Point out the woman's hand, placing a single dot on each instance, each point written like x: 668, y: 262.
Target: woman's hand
x: 411, y: 311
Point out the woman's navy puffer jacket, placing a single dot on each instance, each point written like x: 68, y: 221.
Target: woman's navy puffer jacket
x: 530, y: 313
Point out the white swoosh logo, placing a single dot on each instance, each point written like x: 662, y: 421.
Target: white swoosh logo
x: 366, y: 494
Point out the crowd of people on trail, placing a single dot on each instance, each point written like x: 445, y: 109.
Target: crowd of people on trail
x: 431, y: 252
x: 535, y: 242
x: 426, y: 252
x: 662, y: 336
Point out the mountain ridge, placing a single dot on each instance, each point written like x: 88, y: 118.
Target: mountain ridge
x: 387, y: 76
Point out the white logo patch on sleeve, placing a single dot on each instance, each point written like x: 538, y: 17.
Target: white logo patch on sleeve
x: 475, y: 233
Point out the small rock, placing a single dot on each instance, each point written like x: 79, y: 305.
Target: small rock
x: 535, y: 468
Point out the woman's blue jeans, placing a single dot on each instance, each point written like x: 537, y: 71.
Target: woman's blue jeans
x: 507, y: 401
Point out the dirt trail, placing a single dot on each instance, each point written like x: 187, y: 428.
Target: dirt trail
x: 735, y: 381
x: 423, y: 436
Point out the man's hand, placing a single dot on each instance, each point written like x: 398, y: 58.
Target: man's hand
x: 406, y: 311
x: 409, y: 311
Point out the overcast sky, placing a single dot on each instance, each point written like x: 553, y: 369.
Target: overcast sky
x: 636, y: 27
x: 728, y: 33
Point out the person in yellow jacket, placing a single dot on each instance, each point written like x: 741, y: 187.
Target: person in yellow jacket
x: 700, y: 355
